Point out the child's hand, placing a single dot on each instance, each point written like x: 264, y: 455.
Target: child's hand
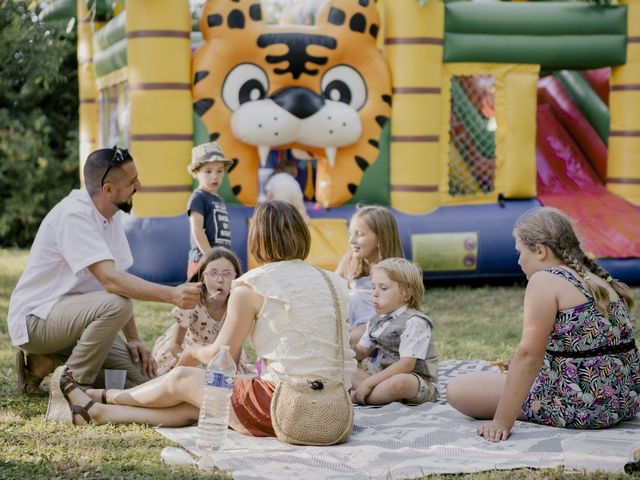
x: 494, y: 431
x: 175, y: 349
x: 360, y: 394
x: 188, y: 358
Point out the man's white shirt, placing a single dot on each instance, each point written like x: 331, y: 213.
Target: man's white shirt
x: 73, y: 236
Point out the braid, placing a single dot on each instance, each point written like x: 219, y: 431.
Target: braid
x: 550, y: 227
x: 600, y: 293
x: 575, y: 259
x: 620, y: 288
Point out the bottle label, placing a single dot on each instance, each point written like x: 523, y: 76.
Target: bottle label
x: 218, y: 379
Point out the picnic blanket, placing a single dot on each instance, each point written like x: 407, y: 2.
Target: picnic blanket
x: 399, y: 441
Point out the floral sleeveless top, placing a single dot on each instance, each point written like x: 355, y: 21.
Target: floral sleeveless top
x: 590, y: 376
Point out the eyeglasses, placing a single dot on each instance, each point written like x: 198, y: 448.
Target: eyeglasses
x: 225, y: 274
x: 120, y: 155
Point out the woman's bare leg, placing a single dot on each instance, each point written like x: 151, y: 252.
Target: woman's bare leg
x: 182, y: 384
x: 476, y: 394
x: 175, y: 416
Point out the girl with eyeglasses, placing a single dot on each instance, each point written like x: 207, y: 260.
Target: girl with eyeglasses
x: 200, y: 326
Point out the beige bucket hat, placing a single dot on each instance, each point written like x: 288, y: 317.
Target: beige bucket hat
x: 206, y: 153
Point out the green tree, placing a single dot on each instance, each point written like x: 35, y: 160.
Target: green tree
x: 38, y: 120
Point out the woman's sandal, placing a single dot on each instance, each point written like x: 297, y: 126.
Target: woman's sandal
x: 84, y: 388
x: 60, y: 408
x: 103, y: 395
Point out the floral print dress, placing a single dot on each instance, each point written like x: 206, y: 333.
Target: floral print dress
x: 590, y: 376
x: 202, y: 329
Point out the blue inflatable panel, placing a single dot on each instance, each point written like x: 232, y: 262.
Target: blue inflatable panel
x: 160, y: 245
x: 492, y: 224
x: 624, y: 269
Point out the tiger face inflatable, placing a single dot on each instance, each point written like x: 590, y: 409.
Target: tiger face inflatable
x: 323, y: 88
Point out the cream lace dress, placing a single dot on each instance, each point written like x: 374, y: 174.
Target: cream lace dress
x: 295, y: 331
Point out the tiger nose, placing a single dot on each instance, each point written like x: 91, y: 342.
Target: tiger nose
x: 298, y: 101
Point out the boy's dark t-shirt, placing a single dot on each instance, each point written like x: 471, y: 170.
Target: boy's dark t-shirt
x: 217, y: 226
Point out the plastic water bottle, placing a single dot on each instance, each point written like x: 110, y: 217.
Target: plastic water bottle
x: 216, y: 401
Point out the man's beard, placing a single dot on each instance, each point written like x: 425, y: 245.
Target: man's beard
x: 125, y: 207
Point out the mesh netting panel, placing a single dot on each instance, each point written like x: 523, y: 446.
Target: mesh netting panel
x: 472, y: 137
x: 114, y: 114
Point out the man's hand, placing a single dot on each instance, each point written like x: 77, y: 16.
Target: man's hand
x: 186, y: 296
x: 140, y: 353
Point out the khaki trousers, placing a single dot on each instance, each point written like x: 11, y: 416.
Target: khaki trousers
x: 82, y: 331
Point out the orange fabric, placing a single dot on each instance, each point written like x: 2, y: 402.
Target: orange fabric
x: 251, y: 402
x: 192, y: 267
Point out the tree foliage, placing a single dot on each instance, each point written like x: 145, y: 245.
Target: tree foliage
x: 38, y: 120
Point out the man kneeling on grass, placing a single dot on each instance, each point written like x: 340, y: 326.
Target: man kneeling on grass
x: 74, y: 295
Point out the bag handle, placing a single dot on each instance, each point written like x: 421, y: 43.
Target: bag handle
x: 336, y: 306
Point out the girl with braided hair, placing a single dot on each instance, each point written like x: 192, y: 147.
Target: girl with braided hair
x: 577, y: 364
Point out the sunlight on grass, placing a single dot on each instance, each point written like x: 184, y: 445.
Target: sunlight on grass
x: 470, y: 323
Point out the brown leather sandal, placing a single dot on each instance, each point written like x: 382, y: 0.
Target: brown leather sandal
x: 60, y: 408
x: 28, y: 383
x: 103, y: 395
x: 68, y: 384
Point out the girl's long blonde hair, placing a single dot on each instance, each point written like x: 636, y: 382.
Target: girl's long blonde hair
x: 552, y: 228
x: 381, y: 222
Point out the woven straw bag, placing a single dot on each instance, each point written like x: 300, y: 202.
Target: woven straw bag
x: 314, y: 411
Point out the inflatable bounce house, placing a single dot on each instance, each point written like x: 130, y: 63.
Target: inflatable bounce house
x: 459, y: 116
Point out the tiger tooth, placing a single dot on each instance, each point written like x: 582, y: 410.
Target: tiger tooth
x: 330, y: 153
x: 263, y: 152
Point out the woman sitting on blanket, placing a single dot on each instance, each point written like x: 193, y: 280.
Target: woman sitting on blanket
x: 287, y: 309
x: 405, y: 367
x: 577, y: 365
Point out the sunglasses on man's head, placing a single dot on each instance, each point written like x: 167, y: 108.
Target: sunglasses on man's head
x: 120, y: 155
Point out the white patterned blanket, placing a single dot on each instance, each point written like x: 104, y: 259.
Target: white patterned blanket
x: 397, y: 441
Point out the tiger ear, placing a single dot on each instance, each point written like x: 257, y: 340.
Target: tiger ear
x: 222, y: 18
x: 353, y: 17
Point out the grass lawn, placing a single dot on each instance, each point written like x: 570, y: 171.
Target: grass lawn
x: 471, y: 323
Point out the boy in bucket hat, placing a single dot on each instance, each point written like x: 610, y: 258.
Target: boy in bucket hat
x: 208, y: 217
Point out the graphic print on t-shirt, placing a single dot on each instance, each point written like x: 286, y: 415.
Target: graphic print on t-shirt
x: 216, y: 221
x: 222, y: 226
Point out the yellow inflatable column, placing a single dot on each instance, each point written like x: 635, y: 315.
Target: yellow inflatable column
x: 623, y: 165
x: 161, y: 128
x: 89, y: 111
x: 413, y: 47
